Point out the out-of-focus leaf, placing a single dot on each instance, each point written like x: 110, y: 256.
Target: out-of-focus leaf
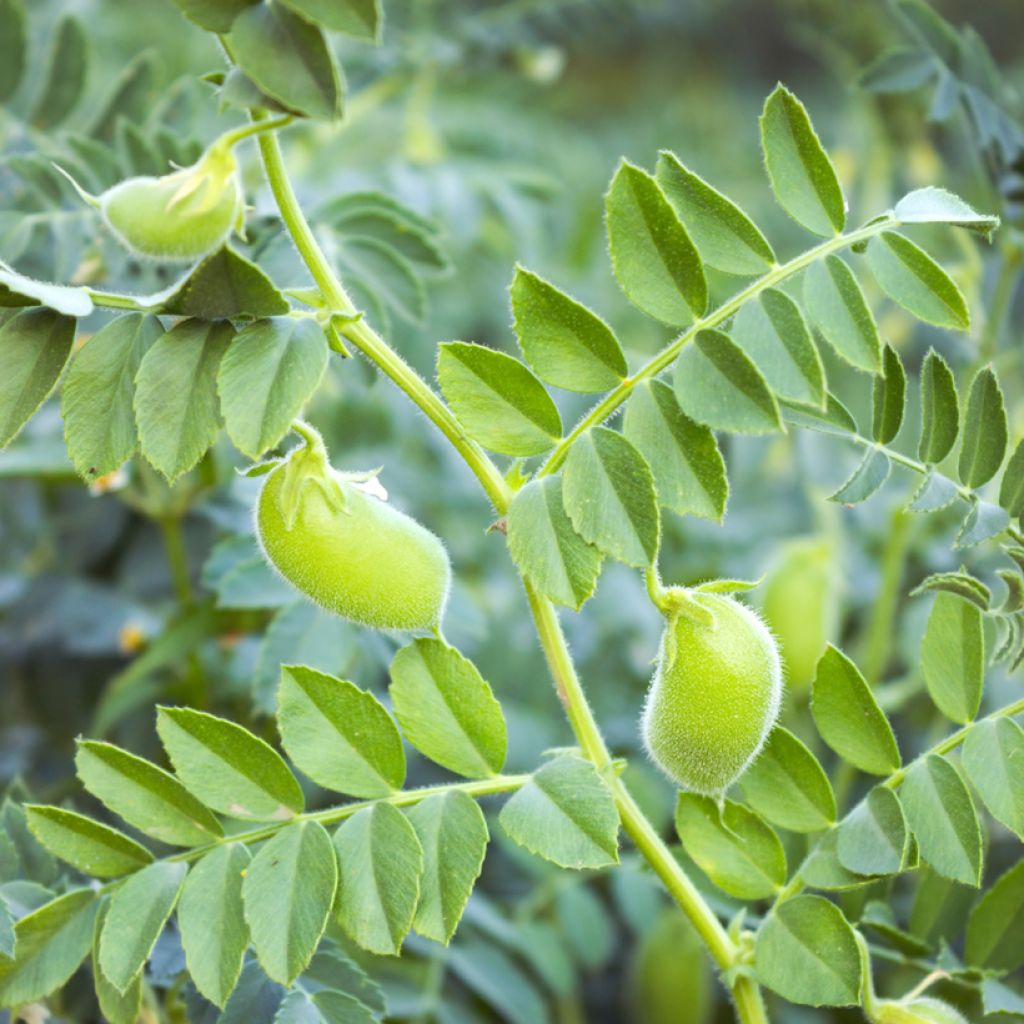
x: 65, y: 75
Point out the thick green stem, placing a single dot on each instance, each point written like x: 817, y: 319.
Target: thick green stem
x: 174, y: 545
x: 878, y: 637
x: 600, y: 412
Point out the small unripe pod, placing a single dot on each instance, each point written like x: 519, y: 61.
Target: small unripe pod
x: 799, y: 603
x: 923, y: 1010
x: 715, y: 694
x: 348, y: 550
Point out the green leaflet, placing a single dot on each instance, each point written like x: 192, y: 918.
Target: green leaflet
x: 567, y: 344
x: 116, y: 1007
x: 453, y: 834
x: 940, y: 409
x: 953, y: 656
x: 147, y: 797
x: 228, y: 768
x: 993, y: 760
x: 869, y: 476
x: 939, y: 809
x: 211, y: 919
x: 85, y: 844
x: 546, y: 548
x: 51, y: 942
x: 289, y: 59
x: 609, y: 495
x: 497, y: 399
x: 911, y: 278
x: 725, y: 236
x: 716, y: 384
x: 381, y: 864
x: 873, y: 838
x: 995, y: 930
x: 65, y: 75
x: 339, y: 735
x: 98, y: 394
x: 834, y: 301
x: 288, y: 893
x: 565, y: 814
x: 731, y: 845
x: 937, y: 206
x: 889, y: 397
x: 34, y: 346
x: 447, y: 710
x: 586, y: 925
x: 849, y: 718
x: 807, y: 952
x: 802, y: 176
x: 688, y: 468
x: 655, y: 262
x: 1011, y: 490
x: 771, y: 330
x: 985, y: 430
x: 13, y: 47
x: 139, y: 909
x: 176, y: 395
x: 787, y: 785
x: 362, y: 19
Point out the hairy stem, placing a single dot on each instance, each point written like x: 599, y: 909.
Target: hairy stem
x: 600, y: 412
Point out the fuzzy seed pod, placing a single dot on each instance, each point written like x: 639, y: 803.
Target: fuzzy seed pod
x: 714, y: 697
x: 919, y: 1011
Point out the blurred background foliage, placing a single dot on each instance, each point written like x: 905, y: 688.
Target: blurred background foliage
x: 502, y: 123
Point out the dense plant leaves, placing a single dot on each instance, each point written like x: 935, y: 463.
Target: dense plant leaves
x: 65, y: 75
x: 807, y: 952
x: 717, y: 384
x: 211, y: 919
x: 565, y: 814
x: 913, y: 280
x: 381, y: 864
x: 227, y: 767
x: 688, y: 469
x: 609, y: 495
x: 34, y: 346
x: 1011, y: 489
x: 116, y: 1007
x: 447, y: 710
x: 139, y: 909
x: 802, y: 176
x: 731, y: 845
x: 725, y: 236
x: 937, y: 206
x: 224, y: 285
x: 13, y: 47
x: 888, y: 398
x: 288, y: 893
x: 788, y: 786
x: 341, y: 736
x: 940, y: 409
x: 51, y: 942
x: 213, y: 15
x: 85, y: 844
x: 545, y: 546
x: 453, y: 833
x: 362, y: 19
x: 772, y: 331
x: 98, y: 394
x: 567, y: 344
x: 995, y: 930
x: 871, y: 473
x: 993, y: 758
x: 654, y: 259
x: 834, y: 301
x: 176, y: 395
x: 18, y: 290
x: 145, y: 796
x: 288, y: 58
x: 941, y: 813
x: 953, y: 656
x: 849, y: 718
x: 985, y: 430
x: 873, y: 838
x: 497, y: 399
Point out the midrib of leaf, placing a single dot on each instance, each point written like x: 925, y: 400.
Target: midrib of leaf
x: 920, y: 276
x: 618, y: 497
x: 565, y: 814
x: 657, y: 239
x: 946, y: 820
x: 604, y: 409
x: 504, y: 401
x: 815, y: 953
x: 447, y: 701
x: 376, y: 867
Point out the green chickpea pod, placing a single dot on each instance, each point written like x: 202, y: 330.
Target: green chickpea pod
x: 923, y: 1010
x: 715, y: 693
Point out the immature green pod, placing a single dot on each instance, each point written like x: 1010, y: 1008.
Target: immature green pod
x: 345, y: 548
x: 800, y: 605
x: 715, y: 693
x: 924, y: 1010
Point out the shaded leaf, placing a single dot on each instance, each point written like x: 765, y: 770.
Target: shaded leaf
x: 873, y: 838
x: 985, y: 430
x: 953, y: 656
x: 993, y: 758
x: 940, y: 409
x: 64, y: 80
x: 1011, y: 490
x: 889, y: 397
x: 995, y: 929
x: 869, y: 476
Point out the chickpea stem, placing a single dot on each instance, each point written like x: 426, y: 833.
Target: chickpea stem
x: 231, y: 138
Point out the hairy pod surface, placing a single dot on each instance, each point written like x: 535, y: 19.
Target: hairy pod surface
x: 181, y: 216
x: 714, y: 697
x: 919, y: 1011
x: 351, y: 552
x: 800, y: 605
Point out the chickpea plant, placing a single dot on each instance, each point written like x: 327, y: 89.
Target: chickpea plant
x: 253, y: 869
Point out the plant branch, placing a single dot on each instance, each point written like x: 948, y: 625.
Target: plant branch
x: 604, y: 409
